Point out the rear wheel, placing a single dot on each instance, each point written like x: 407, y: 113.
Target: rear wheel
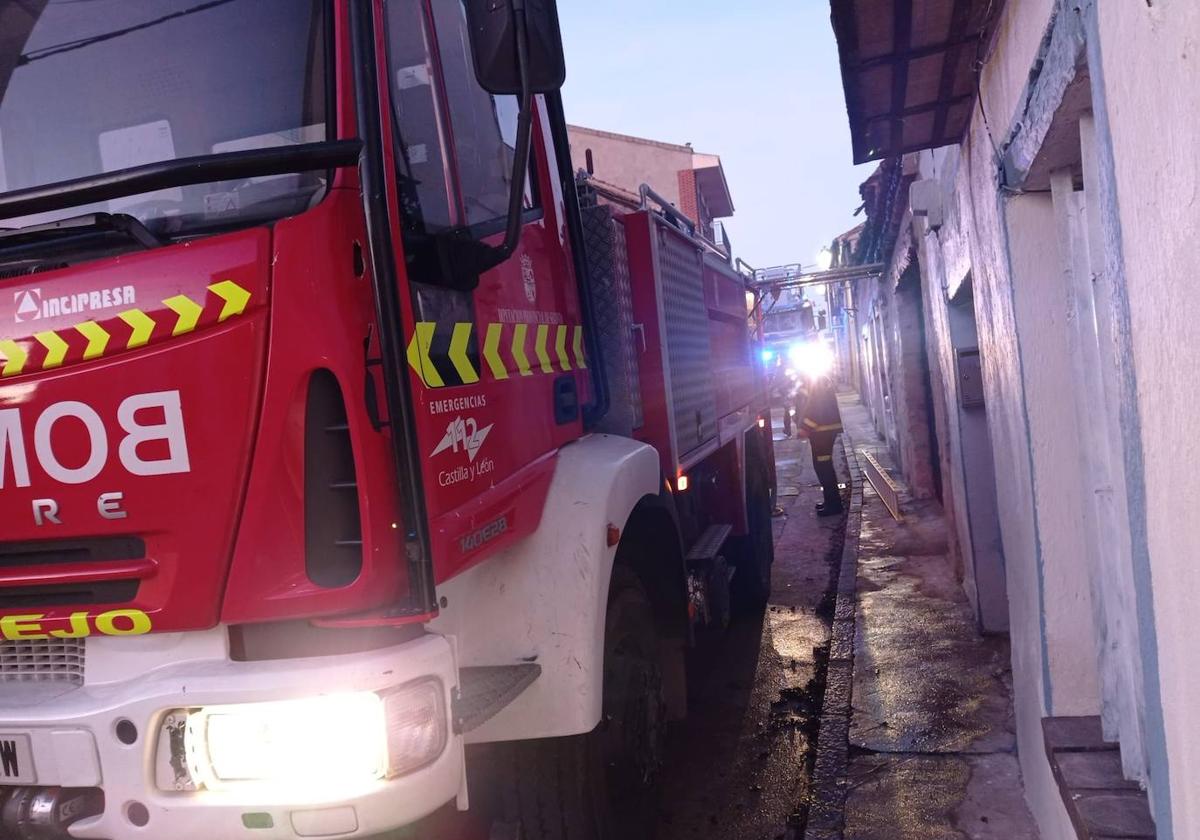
x: 602, y: 785
x: 754, y: 553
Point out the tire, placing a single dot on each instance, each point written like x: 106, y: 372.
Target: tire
x: 602, y: 785
x: 754, y: 553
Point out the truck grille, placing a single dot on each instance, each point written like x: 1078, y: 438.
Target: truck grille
x: 42, y: 661
x: 20, y: 591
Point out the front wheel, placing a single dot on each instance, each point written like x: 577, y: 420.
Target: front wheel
x: 602, y: 785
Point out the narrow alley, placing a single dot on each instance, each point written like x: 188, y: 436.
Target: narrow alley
x: 914, y: 719
x: 739, y: 765
x: 626, y: 420
x: 917, y: 737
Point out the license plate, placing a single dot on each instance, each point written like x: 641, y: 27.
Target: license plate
x: 16, y: 760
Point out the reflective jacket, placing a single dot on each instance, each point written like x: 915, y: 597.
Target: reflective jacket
x: 820, y: 406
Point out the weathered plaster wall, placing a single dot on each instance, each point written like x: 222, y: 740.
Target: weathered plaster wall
x: 894, y: 386
x: 946, y: 430
x: 1145, y: 180
x: 912, y: 412
x: 1003, y: 80
x: 978, y: 476
x: 1041, y: 312
x: 873, y: 320
x: 1015, y: 491
x: 973, y: 239
x: 1006, y: 74
x: 965, y: 447
x: 967, y: 464
x: 1150, y: 65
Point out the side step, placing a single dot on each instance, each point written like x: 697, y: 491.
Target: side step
x: 485, y: 690
x: 709, y: 544
x: 708, y: 579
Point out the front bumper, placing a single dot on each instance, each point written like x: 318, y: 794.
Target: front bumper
x: 75, y: 740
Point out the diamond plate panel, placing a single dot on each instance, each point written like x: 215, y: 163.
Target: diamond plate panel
x: 608, y: 274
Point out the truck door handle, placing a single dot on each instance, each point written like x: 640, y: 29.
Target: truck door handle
x: 640, y: 329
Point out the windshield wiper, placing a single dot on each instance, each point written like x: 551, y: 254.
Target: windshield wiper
x: 181, y: 172
x: 87, y: 224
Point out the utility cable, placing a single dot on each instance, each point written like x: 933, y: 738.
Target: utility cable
x: 68, y: 46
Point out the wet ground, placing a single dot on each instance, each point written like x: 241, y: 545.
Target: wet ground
x: 738, y: 767
x: 932, y: 751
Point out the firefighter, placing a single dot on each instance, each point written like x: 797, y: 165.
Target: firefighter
x: 820, y: 421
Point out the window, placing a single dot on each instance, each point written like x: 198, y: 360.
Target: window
x: 88, y: 88
x: 455, y: 141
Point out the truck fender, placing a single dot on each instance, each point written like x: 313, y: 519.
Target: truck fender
x: 544, y: 598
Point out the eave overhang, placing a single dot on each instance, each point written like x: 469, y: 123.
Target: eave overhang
x: 909, y: 70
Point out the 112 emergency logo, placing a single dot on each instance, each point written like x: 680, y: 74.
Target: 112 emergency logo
x: 464, y: 435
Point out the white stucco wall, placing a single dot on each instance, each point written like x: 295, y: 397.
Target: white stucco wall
x: 1151, y: 74
x: 1040, y: 306
x: 976, y: 186
x: 968, y: 483
x: 1144, y: 60
x: 973, y: 239
x: 1018, y: 39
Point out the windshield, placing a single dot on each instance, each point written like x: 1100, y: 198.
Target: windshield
x: 787, y: 321
x: 92, y: 86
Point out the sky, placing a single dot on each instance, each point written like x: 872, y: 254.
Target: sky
x: 754, y: 81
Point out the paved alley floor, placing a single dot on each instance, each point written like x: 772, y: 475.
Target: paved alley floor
x: 931, y: 752
x: 738, y: 767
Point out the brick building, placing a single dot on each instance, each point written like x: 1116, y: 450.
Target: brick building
x: 693, y: 182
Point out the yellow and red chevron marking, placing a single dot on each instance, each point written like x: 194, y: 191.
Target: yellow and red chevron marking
x: 505, y: 351
x: 126, y: 330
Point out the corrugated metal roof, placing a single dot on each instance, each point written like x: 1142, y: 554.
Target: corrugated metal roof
x: 908, y: 70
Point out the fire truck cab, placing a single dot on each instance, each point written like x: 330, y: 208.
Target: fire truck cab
x: 305, y: 478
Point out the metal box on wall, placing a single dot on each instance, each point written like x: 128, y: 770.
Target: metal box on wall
x: 970, y: 377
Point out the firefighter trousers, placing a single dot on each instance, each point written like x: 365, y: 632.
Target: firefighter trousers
x: 821, y: 444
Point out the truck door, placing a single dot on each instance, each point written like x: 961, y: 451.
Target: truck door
x: 493, y: 361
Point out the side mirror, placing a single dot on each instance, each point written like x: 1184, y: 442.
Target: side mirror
x: 496, y: 36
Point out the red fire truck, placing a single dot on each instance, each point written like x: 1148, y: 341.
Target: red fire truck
x: 327, y: 448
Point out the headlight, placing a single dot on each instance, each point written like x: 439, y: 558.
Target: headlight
x: 328, y: 743
x: 417, y: 725
x: 767, y: 356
